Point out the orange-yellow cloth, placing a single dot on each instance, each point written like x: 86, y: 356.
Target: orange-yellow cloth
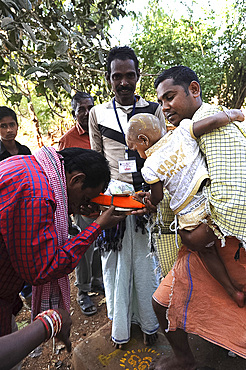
x: 198, y: 304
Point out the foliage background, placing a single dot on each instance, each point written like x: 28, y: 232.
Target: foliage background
x: 50, y: 49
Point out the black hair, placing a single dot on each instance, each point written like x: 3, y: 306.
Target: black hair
x: 7, y: 112
x: 121, y: 53
x: 180, y: 75
x: 92, y: 164
x: 78, y: 97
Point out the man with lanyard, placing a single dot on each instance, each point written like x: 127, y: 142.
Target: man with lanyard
x: 128, y: 273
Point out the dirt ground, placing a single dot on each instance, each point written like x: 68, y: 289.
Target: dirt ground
x: 82, y: 327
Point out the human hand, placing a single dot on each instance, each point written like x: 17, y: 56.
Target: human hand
x: 234, y: 115
x: 64, y: 334
x: 87, y: 209
x: 144, y: 197
x: 109, y: 218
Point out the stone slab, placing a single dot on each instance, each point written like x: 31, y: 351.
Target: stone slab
x: 97, y: 353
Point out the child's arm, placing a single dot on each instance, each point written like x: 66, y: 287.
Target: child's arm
x: 217, y: 120
x: 156, y: 192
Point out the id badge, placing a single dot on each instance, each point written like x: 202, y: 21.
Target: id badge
x: 127, y: 165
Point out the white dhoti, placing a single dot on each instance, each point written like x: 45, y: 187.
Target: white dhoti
x: 130, y: 280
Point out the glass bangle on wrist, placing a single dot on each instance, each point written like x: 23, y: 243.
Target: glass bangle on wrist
x: 228, y: 114
x: 52, y: 321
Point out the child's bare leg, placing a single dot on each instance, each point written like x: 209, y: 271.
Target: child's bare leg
x: 217, y: 269
x: 197, y: 240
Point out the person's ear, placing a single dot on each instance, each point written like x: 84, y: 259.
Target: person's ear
x: 107, y: 76
x: 195, y: 89
x: 138, y: 73
x: 77, y: 179
x: 143, y: 139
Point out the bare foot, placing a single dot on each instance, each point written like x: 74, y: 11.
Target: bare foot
x: 238, y: 297
x: 150, y: 339
x: 116, y: 345
x: 171, y: 363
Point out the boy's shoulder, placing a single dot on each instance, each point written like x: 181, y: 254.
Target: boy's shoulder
x: 206, y: 110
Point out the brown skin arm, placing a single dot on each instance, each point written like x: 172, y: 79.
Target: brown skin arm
x: 16, y: 346
x: 217, y: 120
x: 156, y: 193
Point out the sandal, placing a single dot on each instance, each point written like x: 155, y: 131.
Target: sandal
x: 87, y: 306
x: 98, y: 289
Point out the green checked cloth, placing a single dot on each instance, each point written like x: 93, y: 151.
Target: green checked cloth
x: 165, y: 243
x: 225, y: 151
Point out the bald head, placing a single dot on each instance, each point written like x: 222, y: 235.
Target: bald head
x: 145, y: 130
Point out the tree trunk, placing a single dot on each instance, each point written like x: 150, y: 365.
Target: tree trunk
x: 36, y: 123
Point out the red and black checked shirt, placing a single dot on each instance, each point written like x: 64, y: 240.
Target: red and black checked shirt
x: 29, y: 249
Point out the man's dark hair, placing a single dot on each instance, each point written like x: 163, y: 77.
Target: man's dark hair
x: 78, y: 97
x: 181, y: 75
x: 7, y: 112
x: 121, y: 53
x: 92, y: 164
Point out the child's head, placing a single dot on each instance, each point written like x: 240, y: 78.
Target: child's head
x: 8, y: 124
x: 144, y: 131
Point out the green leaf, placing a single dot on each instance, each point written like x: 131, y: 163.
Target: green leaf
x: 6, y: 21
x: 101, y: 58
x: 50, y: 84
x: 34, y: 69
x: 50, y: 53
x: 58, y: 66
x: 61, y: 48
x: 13, y: 65
x: 70, y: 15
x: 66, y: 86
x: 24, y: 4
x: 1, y: 61
x: 29, y: 32
x: 22, y: 324
x: 64, y: 75
x: 11, y: 88
x: 4, y: 76
x: 40, y: 90
x: 53, y: 35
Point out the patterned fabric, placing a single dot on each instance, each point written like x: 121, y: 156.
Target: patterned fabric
x: 165, y: 240
x: 225, y: 151
x: 55, y: 293
x: 29, y: 251
x: 196, y: 302
x: 176, y: 161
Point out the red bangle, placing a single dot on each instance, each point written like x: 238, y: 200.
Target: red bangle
x: 47, y: 327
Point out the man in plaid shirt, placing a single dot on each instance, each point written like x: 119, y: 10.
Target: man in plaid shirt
x: 29, y: 248
x: 189, y: 299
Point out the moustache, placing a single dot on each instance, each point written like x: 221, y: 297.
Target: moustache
x: 120, y: 88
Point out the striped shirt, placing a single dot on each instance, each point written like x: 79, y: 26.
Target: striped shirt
x: 29, y: 249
